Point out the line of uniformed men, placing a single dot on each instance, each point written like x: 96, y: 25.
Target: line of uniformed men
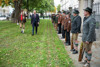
x: 66, y: 22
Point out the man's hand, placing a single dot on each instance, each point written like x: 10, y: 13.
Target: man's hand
x: 58, y: 22
x: 67, y: 30
x: 87, y: 42
x: 38, y: 22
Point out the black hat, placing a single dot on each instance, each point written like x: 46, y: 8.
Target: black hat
x: 59, y: 11
x: 64, y: 12
x: 88, y: 9
x: 67, y: 12
x: 76, y: 12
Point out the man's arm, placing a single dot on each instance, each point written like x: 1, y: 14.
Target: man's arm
x: 59, y: 19
x: 92, y: 25
x: 78, y: 24
x: 38, y: 19
x: 31, y: 19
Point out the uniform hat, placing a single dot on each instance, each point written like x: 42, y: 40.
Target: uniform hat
x: 64, y: 12
x: 67, y: 12
x: 76, y: 12
x: 59, y: 11
x: 88, y: 10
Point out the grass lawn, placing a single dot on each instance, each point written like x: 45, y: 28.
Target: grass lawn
x: 24, y: 50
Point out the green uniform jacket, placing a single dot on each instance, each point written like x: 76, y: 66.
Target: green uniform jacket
x: 89, y: 25
x: 56, y: 19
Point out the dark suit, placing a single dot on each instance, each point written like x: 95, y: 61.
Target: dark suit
x: 34, y: 21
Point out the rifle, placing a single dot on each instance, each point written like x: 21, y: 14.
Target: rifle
x: 81, y: 54
x: 72, y: 46
x: 65, y: 38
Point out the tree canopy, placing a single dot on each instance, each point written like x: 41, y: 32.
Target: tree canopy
x: 58, y: 7
x: 31, y: 4
x: 39, y: 5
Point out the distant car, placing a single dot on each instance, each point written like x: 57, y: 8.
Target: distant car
x: 3, y: 17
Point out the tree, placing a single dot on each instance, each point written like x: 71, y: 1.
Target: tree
x: 58, y: 7
x: 43, y: 5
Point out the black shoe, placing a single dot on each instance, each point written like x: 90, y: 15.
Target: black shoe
x: 67, y: 44
x: 62, y: 37
x: 87, y: 65
x: 75, y: 52
x: 32, y: 34
x: 21, y: 31
x: 72, y: 50
x: 58, y: 33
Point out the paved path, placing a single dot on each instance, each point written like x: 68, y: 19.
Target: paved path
x: 96, y: 53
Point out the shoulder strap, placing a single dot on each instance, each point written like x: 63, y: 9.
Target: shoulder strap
x: 87, y: 19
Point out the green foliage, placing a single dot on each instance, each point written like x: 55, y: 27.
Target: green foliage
x: 58, y: 7
x: 23, y: 50
x: 32, y: 4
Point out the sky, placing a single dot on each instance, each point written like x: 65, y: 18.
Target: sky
x: 56, y: 2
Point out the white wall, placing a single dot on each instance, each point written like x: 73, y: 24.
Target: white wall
x: 65, y: 4
x: 96, y: 1
x: 7, y: 10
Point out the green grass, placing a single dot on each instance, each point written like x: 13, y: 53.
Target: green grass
x: 23, y: 50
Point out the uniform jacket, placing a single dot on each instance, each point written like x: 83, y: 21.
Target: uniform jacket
x: 53, y: 18
x: 35, y: 19
x: 63, y: 19
x: 89, y: 25
x: 56, y: 19
x: 76, y: 24
x: 67, y: 24
x: 59, y: 19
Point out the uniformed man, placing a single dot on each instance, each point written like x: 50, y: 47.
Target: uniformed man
x: 75, y: 30
x: 67, y: 28
x: 89, y: 35
x: 53, y: 19
x: 63, y: 18
x: 59, y: 22
x: 56, y: 21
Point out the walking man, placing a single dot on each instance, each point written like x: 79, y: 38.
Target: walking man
x: 22, y: 21
x: 35, y: 21
x: 89, y: 35
x: 75, y: 30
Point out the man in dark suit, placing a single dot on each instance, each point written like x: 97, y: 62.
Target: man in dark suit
x: 35, y: 21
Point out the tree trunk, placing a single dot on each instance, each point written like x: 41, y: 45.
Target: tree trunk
x: 27, y: 8
x: 17, y: 5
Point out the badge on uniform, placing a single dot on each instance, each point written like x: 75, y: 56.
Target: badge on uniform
x: 68, y: 21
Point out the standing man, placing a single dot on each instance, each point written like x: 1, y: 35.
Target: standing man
x: 75, y: 30
x: 89, y: 35
x: 53, y: 19
x: 67, y: 28
x: 59, y: 22
x: 35, y: 21
x: 63, y: 18
x: 56, y: 21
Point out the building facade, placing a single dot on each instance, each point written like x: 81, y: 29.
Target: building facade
x: 65, y: 4
x: 95, y: 5
x: 5, y: 10
x: 82, y: 4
